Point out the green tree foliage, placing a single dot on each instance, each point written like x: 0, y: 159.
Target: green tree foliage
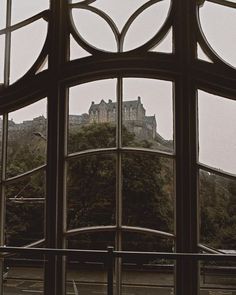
x: 146, y: 188
x: 24, y: 219
x: 217, y: 206
x: 147, y: 192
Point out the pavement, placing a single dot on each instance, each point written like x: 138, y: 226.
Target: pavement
x: 29, y: 280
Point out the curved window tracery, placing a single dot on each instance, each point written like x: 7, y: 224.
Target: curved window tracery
x: 134, y: 147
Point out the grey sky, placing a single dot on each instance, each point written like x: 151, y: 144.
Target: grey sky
x: 217, y: 116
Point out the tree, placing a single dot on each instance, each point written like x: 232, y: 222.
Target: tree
x: 147, y: 190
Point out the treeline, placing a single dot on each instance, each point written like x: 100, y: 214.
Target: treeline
x: 146, y: 186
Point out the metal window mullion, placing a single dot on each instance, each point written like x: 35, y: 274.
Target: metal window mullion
x: 7, y: 57
x: 55, y: 270
x: 186, y: 146
x: 118, y: 242
x: 3, y: 197
x: 3, y: 175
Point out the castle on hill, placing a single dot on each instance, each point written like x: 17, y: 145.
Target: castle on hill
x: 133, y: 113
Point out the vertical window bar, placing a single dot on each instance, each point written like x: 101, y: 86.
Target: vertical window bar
x: 58, y: 49
x: 2, y: 188
x: 118, y: 264
x: 186, y: 144
x: 7, y: 58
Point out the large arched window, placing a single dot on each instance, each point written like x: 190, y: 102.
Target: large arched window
x: 118, y: 129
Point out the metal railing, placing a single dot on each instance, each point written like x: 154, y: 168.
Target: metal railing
x: 109, y: 256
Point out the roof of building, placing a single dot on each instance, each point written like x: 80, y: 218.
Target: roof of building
x: 111, y: 105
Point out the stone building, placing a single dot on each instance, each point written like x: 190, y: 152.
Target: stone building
x: 134, y: 119
x: 134, y: 116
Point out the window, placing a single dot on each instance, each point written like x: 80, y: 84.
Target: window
x: 117, y: 129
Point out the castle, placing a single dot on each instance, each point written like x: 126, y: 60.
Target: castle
x: 133, y: 113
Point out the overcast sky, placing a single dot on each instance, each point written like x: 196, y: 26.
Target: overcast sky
x: 217, y: 116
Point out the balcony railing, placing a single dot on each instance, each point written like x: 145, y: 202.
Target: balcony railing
x: 109, y: 256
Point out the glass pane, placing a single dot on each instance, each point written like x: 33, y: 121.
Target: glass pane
x: 153, y: 276
x: 220, y: 33
x: 2, y: 57
x: 86, y: 275
x: 26, y: 46
x: 91, y: 116
x: 44, y: 66
x: 148, y: 192
x: 98, y: 34
x: 25, y: 210
x: 3, y: 8
x: 76, y: 51
x: 133, y: 241
x: 166, y: 44
x: 218, y: 277
x: 217, y: 129
x: 217, y: 209
x: 23, y: 9
x: 23, y: 274
x: 202, y: 55
x: 148, y: 114
x: 92, y: 241
x: 26, y: 147
x: 146, y: 25
x: 91, y: 189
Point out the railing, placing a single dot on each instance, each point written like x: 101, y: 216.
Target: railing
x: 110, y: 255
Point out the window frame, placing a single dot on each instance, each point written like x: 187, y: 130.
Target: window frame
x: 188, y: 75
